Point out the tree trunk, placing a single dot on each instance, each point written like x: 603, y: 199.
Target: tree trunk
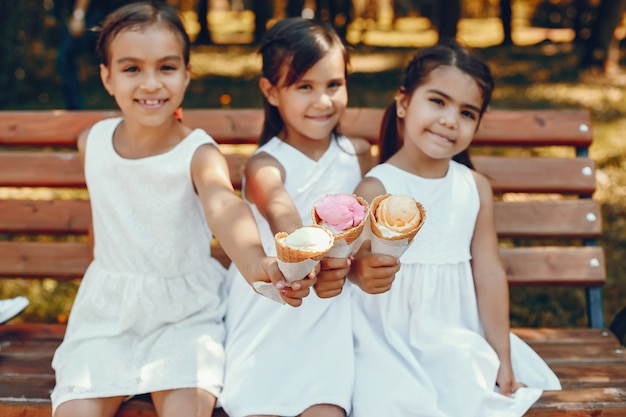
x: 448, y: 19
x: 595, y: 53
x: 506, y: 15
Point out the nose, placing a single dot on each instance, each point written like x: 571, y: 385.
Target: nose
x: 151, y: 82
x: 325, y: 100
x: 448, y: 119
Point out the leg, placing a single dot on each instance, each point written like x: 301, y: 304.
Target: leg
x: 93, y: 407
x: 185, y: 402
x: 324, y: 410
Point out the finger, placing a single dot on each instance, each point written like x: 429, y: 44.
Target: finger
x: 334, y: 285
x: 335, y: 263
x: 295, y: 293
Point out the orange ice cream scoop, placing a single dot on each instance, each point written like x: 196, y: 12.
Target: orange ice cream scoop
x: 397, y: 215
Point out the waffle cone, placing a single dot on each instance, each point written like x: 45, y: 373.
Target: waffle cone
x: 293, y: 255
x: 353, y: 233
x: 409, y: 234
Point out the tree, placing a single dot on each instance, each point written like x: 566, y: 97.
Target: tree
x: 596, y: 49
x: 506, y: 15
x: 449, y: 13
x: 21, y: 30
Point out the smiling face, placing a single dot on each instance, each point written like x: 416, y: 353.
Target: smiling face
x: 312, y: 106
x: 441, y: 116
x: 146, y: 73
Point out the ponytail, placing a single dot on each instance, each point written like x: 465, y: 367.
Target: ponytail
x: 389, y: 141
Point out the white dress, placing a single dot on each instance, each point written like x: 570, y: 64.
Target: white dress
x: 420, y: 348
x: 281, y: 360
x: 149, y: 312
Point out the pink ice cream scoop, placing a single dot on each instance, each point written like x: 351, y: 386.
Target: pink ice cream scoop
x: 339, y: 212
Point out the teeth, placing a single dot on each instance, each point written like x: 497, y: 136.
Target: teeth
x: 152, y: 102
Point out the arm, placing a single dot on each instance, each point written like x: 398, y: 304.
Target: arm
x: 491, y: 286
x: 232, y: 222
x: 81, y: 145
x: 77, y: 20
x: 372, y: 273
x: 364, y: 153
x: 265, y: 187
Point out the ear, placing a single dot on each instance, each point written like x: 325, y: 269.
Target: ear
x: 402, y: 103
x: 269, y: 91
x: 187, y: 76
x: 105, y: 76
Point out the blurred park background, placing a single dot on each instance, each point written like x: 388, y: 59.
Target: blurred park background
x: 567, y: 54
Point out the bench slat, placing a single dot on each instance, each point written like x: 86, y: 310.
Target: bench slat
x: 540, y: 175
x: 533, y: 265
x: 63, y: 260
x: 571, y: 218
x: 541, y: 127
x: 42, y: 216
x: 565, y: 265
x: 30, y: 169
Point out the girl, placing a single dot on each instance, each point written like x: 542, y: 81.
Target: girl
x: 148, y: 317
x: 438, y: 342
x: 281, y: 361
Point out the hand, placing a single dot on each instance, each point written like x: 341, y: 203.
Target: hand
x: 332, y: 276
x: 374, y: 273
x: 293, y: 294
x: 506, y: 381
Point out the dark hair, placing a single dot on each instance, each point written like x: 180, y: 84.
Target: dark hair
x: 417, y: 73
x: 290, y: 48
x: 137, y: 16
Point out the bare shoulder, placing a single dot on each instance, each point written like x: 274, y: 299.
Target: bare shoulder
x: 483, y: 185
x: 262, y: 160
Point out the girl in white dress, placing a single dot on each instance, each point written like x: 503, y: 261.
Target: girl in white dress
x: 148, y: 317
x: 438, y: 343
x: 282, y: 361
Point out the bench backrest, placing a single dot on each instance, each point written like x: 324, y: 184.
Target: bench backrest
x: 537, y: 161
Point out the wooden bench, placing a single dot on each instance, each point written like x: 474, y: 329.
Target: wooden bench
x: 546, y: 219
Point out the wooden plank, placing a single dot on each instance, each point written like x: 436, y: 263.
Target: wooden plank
x: 570, y: 218
x: 40, y: 216
x: 508, y: 174
x: 575, y: 336
x: 538, y: 175
x: 533, y: 127
x: 552, y: 265
x: 41, y: 169
x: 540, y: 127
x: 583, y: 402
x: 531, y: 266
x: 63, y: 260
x: 564, y: 218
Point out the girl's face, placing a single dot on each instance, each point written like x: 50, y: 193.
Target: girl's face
x: 442, y: 115
x: 312, y: 106
x: 147, y: 73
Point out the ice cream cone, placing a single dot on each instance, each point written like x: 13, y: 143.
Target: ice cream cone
x: 394, y: 245
x: 296, y: 263
x: 345, y: 240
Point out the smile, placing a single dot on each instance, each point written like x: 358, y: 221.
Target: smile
x: 152, y: 102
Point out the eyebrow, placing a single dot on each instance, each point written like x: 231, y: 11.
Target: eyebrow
x: 125, y: 59
x: 441, y: 93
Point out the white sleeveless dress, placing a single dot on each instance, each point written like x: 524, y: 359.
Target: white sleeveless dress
x: 420, y: 348
x: 149, y: 312
x: 281, y: 360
